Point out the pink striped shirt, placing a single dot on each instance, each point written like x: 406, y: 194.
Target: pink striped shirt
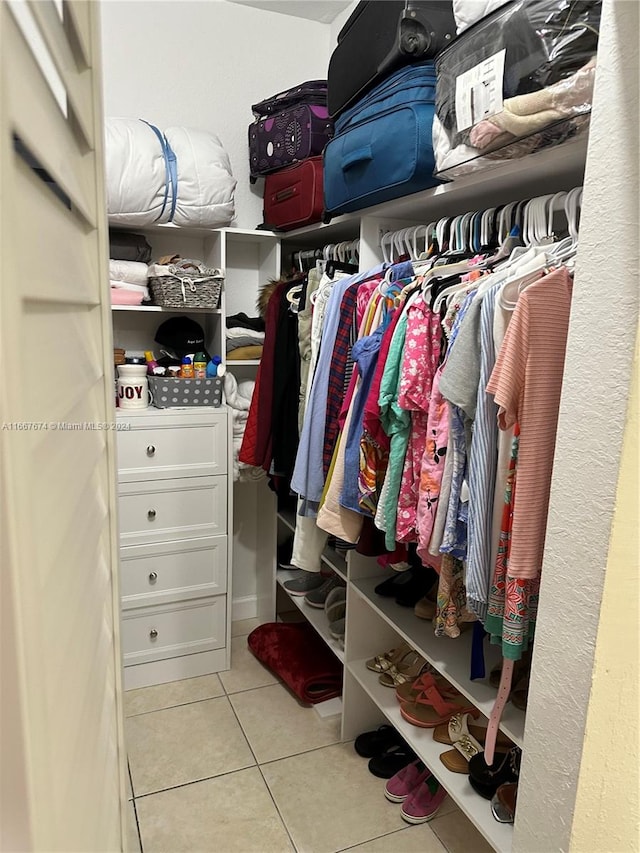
x: 526, y: 382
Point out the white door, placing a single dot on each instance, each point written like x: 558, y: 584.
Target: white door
x: 61, y: 746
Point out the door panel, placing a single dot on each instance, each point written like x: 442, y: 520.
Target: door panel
x: 61, y: 703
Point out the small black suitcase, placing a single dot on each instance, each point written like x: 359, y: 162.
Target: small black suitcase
x: 381, y: 36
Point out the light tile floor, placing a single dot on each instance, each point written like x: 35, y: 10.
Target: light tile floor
x: 232, y: 764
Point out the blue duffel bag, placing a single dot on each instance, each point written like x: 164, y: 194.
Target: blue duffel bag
x: 382, y: 147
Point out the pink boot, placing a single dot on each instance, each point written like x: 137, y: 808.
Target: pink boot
x: 423, y: 802
x: 405, y: 781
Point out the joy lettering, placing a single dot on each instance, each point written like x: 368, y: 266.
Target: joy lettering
x: 130, y: 392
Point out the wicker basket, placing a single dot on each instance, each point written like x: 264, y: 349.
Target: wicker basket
x: 186, y: 284
x: 169, y: 393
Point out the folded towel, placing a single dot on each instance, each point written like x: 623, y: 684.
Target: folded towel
x: 296, y: 654
x: 130, y: 271
x: 239, y: 332
x: 243, y: 322
x: 244, y: 353
x: 134, y: 288
x: 124, y: 297
x: 242, y: 344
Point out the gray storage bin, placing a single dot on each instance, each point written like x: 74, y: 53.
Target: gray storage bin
x: 169, y: 393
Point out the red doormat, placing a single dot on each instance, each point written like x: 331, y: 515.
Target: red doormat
x: 296, y: 654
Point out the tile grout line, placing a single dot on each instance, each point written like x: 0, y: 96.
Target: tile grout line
x: 193, y: 782
x: 304, y: 752
x: 277, y: 808
x: 177, y: 705
x: 135, y: 814
x: 384, y: 835
x: 259, y: 687
x: 266, y: 784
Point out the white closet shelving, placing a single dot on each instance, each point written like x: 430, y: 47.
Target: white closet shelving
x: 158, y: 309
x: 374, y: 623
x: 176, y: 505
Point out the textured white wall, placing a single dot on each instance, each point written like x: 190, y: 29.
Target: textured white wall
x: 604, y: 820
x: 202, y: 64
x: 339, y: 21
x: 604, y: 318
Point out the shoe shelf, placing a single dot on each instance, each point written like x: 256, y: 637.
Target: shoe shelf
x: 477, y: 809
x: 314, y: 615
x: 449, y: 656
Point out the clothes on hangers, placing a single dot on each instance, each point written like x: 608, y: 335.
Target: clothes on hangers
x: 413, y: 377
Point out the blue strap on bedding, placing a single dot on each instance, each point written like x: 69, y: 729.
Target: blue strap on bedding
x: 171, y: 172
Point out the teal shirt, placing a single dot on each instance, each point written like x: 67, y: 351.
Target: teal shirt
x: 396, y: 422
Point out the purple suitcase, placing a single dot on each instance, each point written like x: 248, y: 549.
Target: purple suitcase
x: 311, y: 92
x: 296, y: 132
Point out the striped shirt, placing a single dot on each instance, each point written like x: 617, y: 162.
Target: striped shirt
x: 483, y: 459
x: 526, y: 383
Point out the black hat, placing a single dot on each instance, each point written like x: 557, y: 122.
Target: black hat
x: 182, y: 336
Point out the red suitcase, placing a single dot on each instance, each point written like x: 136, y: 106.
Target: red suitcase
x: 293, y: 196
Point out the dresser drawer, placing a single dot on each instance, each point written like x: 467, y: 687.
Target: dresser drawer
x: 184, y: 628
x: 155, y: 574
x: 166, y: 446
x: 172, y: 509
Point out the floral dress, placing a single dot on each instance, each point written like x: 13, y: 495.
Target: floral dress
x: 419, y: 366
x: 451, y: 604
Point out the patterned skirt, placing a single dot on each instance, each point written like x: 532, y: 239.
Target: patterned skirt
x: 513, y: 602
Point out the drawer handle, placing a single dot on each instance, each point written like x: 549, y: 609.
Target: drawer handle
x: 151, y: 450
x: 153, y: 634
x: 153, y: 577
x: 151, y: 514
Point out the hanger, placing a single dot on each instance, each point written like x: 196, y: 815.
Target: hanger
x: 383, y: 245
x: 475, y: 231
x: 414, y: 254
x: 565, y: 250
x: 555, y: 202
x: 488, y: 226
x: 442, y: 231
x: 505, y: 226
x: 397, y: 244
x: 428, y: 241
x: 538, y: 220
x: 406, y: 240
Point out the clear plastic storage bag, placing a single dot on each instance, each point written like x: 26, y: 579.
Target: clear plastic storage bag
x: 517, y: 81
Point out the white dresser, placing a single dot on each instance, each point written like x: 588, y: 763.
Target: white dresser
x: 174, y: 504
x: 175, y: 485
